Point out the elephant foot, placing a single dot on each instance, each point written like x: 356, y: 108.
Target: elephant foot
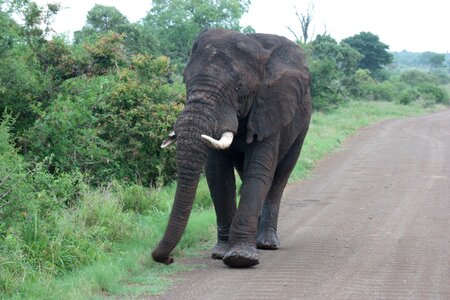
x: 219, y: 250
x: 267, y: 240
x: 241, y: 256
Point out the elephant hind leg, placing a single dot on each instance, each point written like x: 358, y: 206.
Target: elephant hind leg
x: 267, y: 237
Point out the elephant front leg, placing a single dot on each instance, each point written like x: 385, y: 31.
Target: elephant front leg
x: 221, y: 181
x: 257, y: 178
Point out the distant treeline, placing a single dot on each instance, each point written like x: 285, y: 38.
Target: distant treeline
x: 421, y: 60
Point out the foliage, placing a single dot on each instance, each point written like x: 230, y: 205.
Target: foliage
x: 375, y: 54
x: 103, y: 20
x: 22, y: 86
x: 36, y: 20
x: 136, y: 117
x: 426, y: 61
x: 332, y: 66
x: 111, y: 126
x: 32, y: 240
x: 106, y: 53
x: 406, y: 87
x: 9, y: 34
x: 177, y: 22
x: 434, y: 60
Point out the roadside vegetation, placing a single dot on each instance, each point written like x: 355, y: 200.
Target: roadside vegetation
x: 85, y: 189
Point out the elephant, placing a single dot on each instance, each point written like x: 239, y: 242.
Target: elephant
x: 248, y: 108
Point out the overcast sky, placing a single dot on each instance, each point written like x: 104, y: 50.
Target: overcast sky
x: 413, y: 25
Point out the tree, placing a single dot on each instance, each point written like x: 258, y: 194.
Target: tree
x: 102, y: 20
x: 23, y: 83
x: 177, y: 22
x: 332, y: 67
x: 305, y: 23
x: 375, y: 54
x: 434, y: 60
x: 36, y: 19
x: 345, y: 58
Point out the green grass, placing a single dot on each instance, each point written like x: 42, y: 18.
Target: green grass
x: 126, y: 222
x: 128, y: 269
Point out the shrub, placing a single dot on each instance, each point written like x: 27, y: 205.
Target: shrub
x: 407, y: 96
x: 34, y: 239
x: 429, y: 91
x: 22, y: 87
x: 14, y: 179
x: 326, y: 88
x: 111, y: 126
x: 67, y: 131
x: 415, y: 77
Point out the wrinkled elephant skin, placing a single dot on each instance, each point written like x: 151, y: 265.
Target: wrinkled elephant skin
x: 248, y: 109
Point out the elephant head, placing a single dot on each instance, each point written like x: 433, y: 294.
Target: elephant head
x: 231, y: 79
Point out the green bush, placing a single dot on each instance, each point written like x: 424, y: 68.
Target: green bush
x: 34, y: 237
x: 52, y: 224
x: 67, y: 131
x: 419, y: 85
x: 429, y: 91
x: 327, y: 90
x: 15, y: 185
x: 332, y: 66
x: 415, y: 77
x: 111, y: 126
x: 135, y: 118
x: 407, y: 96
x: 22, y: 87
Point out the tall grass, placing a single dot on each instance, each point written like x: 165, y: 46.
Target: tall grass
x: 100, y: 245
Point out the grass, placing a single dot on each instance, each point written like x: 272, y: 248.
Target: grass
x: 126, y: 222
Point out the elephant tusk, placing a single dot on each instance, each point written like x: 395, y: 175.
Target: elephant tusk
x: 170, y: 140
x: 222, y: 144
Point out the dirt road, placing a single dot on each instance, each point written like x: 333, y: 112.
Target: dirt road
x: 372, y: 223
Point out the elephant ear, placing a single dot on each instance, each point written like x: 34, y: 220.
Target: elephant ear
x: 285, y: 83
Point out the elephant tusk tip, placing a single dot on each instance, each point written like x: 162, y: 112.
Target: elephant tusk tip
x: 170, y: 140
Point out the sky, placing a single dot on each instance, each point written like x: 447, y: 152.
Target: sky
x: 412, y: 25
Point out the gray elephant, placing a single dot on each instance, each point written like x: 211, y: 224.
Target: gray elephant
x: 248, y: 108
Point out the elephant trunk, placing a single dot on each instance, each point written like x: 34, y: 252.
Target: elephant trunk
x: 191, y: 156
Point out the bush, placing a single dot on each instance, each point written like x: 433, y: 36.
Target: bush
x: 326, y: 88
x: 52, y: 224
x: 407, y: 96
x: 111, y: 126
x: 429, y: 91
x: 415, y: 77
x: 331, y: 66
x: 15, y: 185
x: 67, y: 131
x: 22, y: 87
x: 34, y: 237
